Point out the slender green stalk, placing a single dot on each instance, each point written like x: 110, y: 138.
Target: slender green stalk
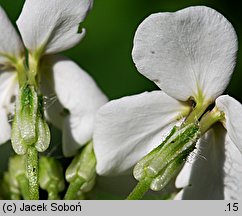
x: 24, y: 188
x: 209, y: 119
x: 73, y: 188
x: 139, y: 191
x: 196, y: 113
x: 21, y: 69
x: 33, y: 173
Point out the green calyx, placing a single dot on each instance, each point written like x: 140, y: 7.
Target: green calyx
x: 83, y: 165
x: 29, y: 126
x: 81, y: 173
x: 51, y: 176
x: 26, y: 114
x: 165, y: 161
x: 17, y: 173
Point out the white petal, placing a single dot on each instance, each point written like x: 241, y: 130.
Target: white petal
x: 52, y: 25
x: 8, y: 90
x: 233, y: 118
x: 233, y: 171
x: 183, y: 177
x: 78, y: 93
x: 179, y: 195
x: 54, y: 111
x: 187, y: 51
x: 128, y: 128
x: 77, y: 131
x: 69, y: 144
x: 216, y: 173
x: 10, y: 42
x: 5, y: 127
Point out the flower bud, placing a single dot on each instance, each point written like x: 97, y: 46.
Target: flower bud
x: 170, y: 171
x: 29, y: 126
x: 87, y: 186
x: 16, y: 168
x: 51, y: 174
x: 83, y: 165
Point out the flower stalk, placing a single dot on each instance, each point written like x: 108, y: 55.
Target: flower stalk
x: 33, y: 172
x: 73, y: 188
x: 141, y: 188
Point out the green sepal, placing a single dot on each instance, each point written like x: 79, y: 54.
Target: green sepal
x: 29, y: 126
x: 26, y: 113
x: 143, y: 163
x: 43, y: 131
x: 165, y: 161
x: 178, y: 143
x: 51, y: 174
x: 17, y: 167
x: 83, y: 165
x: 18, y: 143
x: 88, y: 186
x: 18, y: 178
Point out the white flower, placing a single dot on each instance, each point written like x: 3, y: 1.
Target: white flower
x: 190, y: 55
x: 48, y: 27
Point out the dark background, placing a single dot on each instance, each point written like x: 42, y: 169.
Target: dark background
x: 105, y: 52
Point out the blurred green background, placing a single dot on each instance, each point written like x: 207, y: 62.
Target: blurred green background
x: 105, y: 52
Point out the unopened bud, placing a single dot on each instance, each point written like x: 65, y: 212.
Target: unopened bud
x: 83, y: 165
x: 17, y: 168
x: 51, y: 174
x: 87, y: 186
x: 29, y: 126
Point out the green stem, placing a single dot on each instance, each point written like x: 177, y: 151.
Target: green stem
x: 209, y: 119
x: 33, y: 173
x: 196, y: 113
x: 23, y: 184
x: 22, y: 76
x: 140, y: 189
x: 33, y: 69
x: 73, y: 189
